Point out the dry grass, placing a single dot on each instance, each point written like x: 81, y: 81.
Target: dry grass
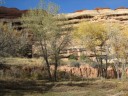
x: 23, y: 61
x: 26, y: 87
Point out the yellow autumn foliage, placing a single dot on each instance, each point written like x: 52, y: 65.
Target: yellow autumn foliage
x: 92, y: 34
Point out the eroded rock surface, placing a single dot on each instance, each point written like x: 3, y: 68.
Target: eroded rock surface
x: 105, y: 15
x: 10, y: 13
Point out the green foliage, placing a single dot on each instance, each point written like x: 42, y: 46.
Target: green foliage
x: 72, y: 57
x: 83, y: 57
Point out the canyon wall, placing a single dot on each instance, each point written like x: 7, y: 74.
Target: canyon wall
x: 119, y: 15
x: 104, y: 15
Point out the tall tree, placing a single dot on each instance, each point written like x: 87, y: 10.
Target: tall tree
x: 93, y: 35
x: 43, y: 22
x: 118, y: 39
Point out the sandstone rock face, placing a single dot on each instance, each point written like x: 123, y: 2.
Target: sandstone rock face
x: 107, y: 15
x: 98, y: 14
x: 10, y: 13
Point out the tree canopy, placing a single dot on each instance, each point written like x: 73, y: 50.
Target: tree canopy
x: 43, y: 23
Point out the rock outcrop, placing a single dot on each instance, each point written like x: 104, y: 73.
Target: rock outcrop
x: 119, y: 15
x: 10, y: 13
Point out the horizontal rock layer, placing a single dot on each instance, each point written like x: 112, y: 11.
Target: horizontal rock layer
x: 10, y: 13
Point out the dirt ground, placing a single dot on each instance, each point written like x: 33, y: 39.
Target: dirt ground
x: 67, y: 88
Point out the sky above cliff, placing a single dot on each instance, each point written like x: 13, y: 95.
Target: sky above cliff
x: 67, y: 6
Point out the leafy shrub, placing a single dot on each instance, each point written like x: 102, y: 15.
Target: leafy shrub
x: 72, y: 57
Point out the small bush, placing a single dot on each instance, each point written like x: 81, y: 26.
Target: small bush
x: 83, y: 57
x: 74, y: 63
x: 72, y: 57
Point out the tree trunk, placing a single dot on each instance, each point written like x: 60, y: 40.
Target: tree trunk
x: 55, y: 72
x: 106, y: 67
x: 45, y: 56
x: 117, y: 70
x: 123, y: 76
x: 101, y: 68
x: 118, y: 75
x: 48, y: 70
x: 56, y: 65
x: 101, y: 62
x: 98, y: 75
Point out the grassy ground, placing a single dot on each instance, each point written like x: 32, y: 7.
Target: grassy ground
x: 81, y: 88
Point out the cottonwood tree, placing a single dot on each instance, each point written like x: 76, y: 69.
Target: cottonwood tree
x: 10, y: 41
x: 43, y: 22
x: 124, y: 52
x: 92, y: 35
x: 115, y: 40
x: 118, y: 40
